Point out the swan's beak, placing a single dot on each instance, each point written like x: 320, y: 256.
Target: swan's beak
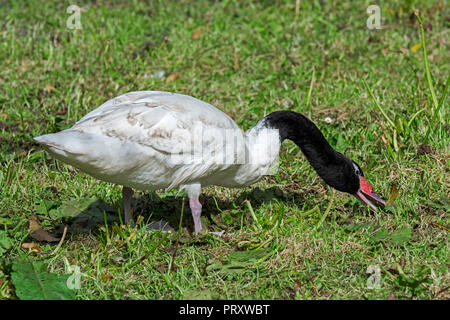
x: 365, y: 194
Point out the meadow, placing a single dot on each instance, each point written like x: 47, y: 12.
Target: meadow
x: 373, y: 93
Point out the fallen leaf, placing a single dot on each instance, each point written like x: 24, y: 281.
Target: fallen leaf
x: 297, y: 286
x: 161, y: 267
x: 33, y: 282
x: 236, y: 62
x: 196, y: 33
x: 172, y: 77
x: 403, y: 50
x: 49, y: 87
x: 401, y: 236
x: 416, y: 47
x: 61, y: 112
x: 106, y: 277
x: 424, y: 149
x: 6, y: 243
x: 240, y: 261
x: 380, y: 235
x: 84, y: 213
x: 31, y: 246
x: 39, y: 234
x: 393, y: 195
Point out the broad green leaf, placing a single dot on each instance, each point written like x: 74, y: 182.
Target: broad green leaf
x: 5, y: 242
x: 240, y: 261
x: 249, y: 256
x: 73, y: 208
x: 380, y: 235
x: 85, y: 213
x: 45, y: 206
x: 33, y: 282
x: 401, y: 236
x: 358, y: 226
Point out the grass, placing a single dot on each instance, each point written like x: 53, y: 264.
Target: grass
x: 298, y: 238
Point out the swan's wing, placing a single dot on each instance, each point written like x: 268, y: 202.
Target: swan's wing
x: 187, y: 133
x: 183, y: 105
x: 161, y: 120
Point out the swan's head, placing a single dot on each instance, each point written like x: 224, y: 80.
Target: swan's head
x: 347, y: 176
x: 362, y: 190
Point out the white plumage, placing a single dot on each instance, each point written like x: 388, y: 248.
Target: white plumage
x: 150, y: 140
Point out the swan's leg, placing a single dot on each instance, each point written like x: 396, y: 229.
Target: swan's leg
x: 127, y: 193
x: 196, y: 209
x: 193, y: 191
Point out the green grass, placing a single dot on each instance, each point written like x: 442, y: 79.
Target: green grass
x: 250, y: 59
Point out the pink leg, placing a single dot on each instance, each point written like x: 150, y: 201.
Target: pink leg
x: 196, y: 209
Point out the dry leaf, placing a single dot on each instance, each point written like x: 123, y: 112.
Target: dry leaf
x: 236, y: 62
x: 161, y: 267
x: 3, y: 115
x: 39, y: 234
x: 403, y: 50
x: 416, y: 47
x: 393, y: 195
x: 297, y: 287
x: 385, y: 141
x: 196, y: 33
x: 172, y: 77
x: 61, y: 112
x: 106, y: 277
x: 424, y: 149
x: 31, y: 246
x: 49, y: 87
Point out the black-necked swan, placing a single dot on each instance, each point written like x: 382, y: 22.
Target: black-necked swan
x: 149, y: 140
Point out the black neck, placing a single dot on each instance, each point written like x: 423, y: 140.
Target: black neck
x: 303, y: 132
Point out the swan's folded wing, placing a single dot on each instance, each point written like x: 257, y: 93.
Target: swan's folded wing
x: 190, y: 140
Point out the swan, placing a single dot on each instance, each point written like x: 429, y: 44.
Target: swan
x: 149, y: 140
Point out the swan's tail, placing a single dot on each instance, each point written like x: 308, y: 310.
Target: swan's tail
x: 79, y: 149
x: 66, y: 143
